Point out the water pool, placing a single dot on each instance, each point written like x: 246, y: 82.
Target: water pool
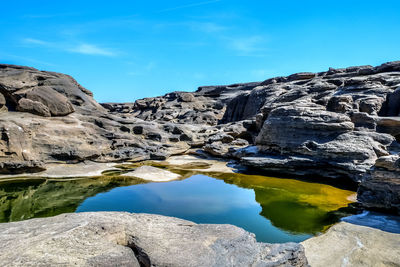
x: 275, y: 209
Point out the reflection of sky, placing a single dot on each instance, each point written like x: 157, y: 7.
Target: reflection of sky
x: 200, y: 199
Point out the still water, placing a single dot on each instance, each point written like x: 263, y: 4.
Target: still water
x: 276, y: 210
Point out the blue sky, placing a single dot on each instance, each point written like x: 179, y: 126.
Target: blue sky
x: 125, y: 50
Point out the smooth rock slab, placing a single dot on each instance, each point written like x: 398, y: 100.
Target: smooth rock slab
x: 347, y: 244
x: 154, y: 174
x: 124, y: 239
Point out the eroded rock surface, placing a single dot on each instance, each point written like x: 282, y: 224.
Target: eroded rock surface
x: 347, y: 244
x: 334, y: 124
x: 123, y: 239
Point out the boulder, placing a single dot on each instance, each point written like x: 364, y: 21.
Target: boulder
x: 382, y: 189
x: 349, y: 244
x: 34, y: 107
x: 57, y: 104
x: 123, y: 239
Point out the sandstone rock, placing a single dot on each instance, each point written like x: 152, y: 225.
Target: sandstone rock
x: 349, y: 244
x: 186, y: 97
x: 17, y: 167
x: 217, y: 149
x: 382, y: 189
x: 329, y: 123
x: 301, y: 76
x: 342, y: 103
x: 2, y: 100
x: 3, y: 106
x: 34, y: 107
x: 57, y: 103
x: 123, y: 239
x: 150, y: 173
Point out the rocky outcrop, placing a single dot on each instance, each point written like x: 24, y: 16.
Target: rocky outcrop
x: 365, y: 241
x: 382, y: 189
x: 52, y: 118
x: 123, y: 239
x: 206, y: 106
x: 333, y: 124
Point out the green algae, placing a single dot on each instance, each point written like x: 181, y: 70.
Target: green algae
x: 23, y: 199
x: 291, y: 205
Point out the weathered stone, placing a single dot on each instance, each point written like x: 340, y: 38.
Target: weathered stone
x: 57, y: 103
x: 349, y: 244
x: 123, y: 239
x: 2, y: 100
x: 152, y: 174
x: 34, y: 107
x: 17, y: 167
x: 382, y: 189
x: 329, y: 121
x: 187, y: 97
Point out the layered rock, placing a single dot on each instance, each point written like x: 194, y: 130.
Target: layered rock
x: 334, y: 124
x: 53, y: 118
x: 123, y: 239
x: 382, y: 189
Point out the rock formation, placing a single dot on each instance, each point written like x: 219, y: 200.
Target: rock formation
x: 341, y: 123
x: 123, y: 239
x: 360, y: 240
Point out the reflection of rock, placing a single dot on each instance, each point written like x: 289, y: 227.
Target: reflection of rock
x: 122, y: 239
x: 347, y: 244
x: 334, y: 124
x: 295, y: 206
x: 24, y: 199
x: 292, y: 215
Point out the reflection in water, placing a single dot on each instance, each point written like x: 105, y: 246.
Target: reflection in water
x: 30, y: 198
x: 292, y: 205
x: 276, y: 210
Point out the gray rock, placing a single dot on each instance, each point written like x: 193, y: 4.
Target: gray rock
x: 2, y: 100
x: 3, y: 106
x: 382, y: 189
x: 123, y: 239
x: 34, y: 107
x: 329, y: 123
x: 58, y: 104
x: 349, y: 244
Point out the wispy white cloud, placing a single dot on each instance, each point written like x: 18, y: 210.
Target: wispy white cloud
x: 151, y: 65
x: 89, y: 49
x: 82, y: 48
x: 248, y: 44
x: 35, y: 41
x: 20, y: 60
x: 144, y: 69
x: 208, y: 27
x: 189, y: 5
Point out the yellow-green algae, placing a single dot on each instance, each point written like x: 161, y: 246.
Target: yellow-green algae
x: 292, y: 205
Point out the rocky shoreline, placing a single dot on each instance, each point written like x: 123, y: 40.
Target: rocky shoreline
x: 342, y: 124
x: 124, y: 239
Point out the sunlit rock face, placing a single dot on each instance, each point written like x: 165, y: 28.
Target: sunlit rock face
x: 123, y: 239
x: 334, y: 124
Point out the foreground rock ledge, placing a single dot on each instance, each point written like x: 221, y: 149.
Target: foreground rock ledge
x: 124, y: 239
x: 347, y: 244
